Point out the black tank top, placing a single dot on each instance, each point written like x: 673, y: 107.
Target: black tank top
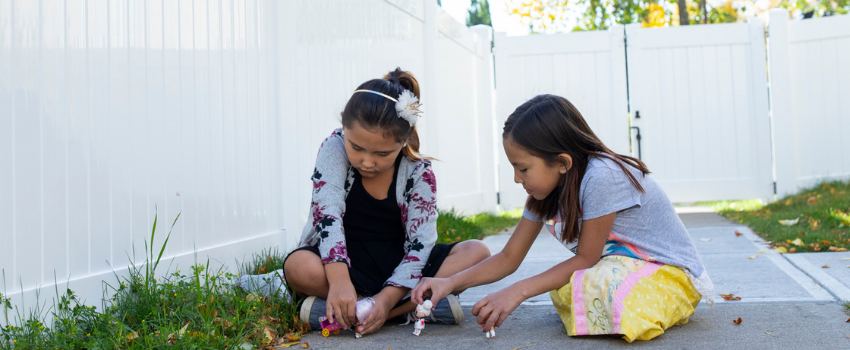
x: 374, y: 235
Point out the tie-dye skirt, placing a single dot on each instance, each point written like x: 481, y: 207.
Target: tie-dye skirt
x: 630, y: 297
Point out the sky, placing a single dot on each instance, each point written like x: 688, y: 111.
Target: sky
x: 502, y: 22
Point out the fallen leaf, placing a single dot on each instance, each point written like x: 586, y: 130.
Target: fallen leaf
x: 183, y: 330
x: 825, y: 266
x: 781, y: 250
x: 752, y: 257
x: 841, y: 250
x: 738, y: 234
x: 729, y: 297
x: 826, y: 242
x: 738, y: 321
x: 812, y: 200
x: 801, y: 233
x: 767, y: 331
x: 792, y: 250
x: 269, y: 334
x: 798, y: 242
x: 263, y: 270
x: 306, y: 345
x: 288, y: 345
x: 761, y: 252
x: 847, y: 320
x: 171, y: 339
x: 832, y: 190
x: 789, y: 222
x: 252, y: 297
x: 293, y: 336
x: 833, y: 249
x: 705, y: 239
x: 788, y: 202
x: 844, y: 259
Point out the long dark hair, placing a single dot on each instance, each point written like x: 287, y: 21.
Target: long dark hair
x: 375, y: 111
x: 548, y: 125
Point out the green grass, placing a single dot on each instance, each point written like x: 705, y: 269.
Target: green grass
x: 455, y: 227
x: 823, y: 223
x: 198, y: 309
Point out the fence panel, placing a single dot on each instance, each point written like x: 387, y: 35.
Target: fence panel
x: 810, y: 80
x: 698, y: 95
x: 587, y: 68
x: 115, y: 111
x: 460, y: 120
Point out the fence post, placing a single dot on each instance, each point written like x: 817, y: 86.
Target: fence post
x: 488, y: 130
x: 760, y: 105
x: 285, y: 66
x: 427, y: 127
x: 785, y: 142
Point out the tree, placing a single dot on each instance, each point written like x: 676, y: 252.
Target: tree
x: 541, y: 16
x: 479, y: 13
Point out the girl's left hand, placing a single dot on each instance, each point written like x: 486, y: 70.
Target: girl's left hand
x: 495, y: 308
x: 376, y: 319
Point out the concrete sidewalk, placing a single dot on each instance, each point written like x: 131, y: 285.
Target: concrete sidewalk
x: 787, y: 301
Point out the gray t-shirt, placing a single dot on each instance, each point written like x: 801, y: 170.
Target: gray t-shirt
x: 646, y: 226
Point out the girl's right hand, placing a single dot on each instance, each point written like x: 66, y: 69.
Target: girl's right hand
x: 340, y: 304
x: 436, y: 288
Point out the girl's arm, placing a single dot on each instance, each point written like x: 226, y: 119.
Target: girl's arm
x: 487, y: 271
x: 324, y: 230
x: 494, y: 308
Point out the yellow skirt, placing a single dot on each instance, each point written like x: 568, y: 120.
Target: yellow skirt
x: 626, y: 296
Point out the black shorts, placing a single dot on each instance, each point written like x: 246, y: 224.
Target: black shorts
x: 435, y: 260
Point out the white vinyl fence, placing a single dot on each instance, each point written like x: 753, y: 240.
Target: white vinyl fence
x: 810, y: 96
x: 699, y: 96
x: 587, y: 68
x: 112, y: 111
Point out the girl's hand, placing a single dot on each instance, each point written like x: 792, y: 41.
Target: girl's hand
x: 495, y: 308
x: 436, y: 288
x: 380, y: 312
x: 340, y: 304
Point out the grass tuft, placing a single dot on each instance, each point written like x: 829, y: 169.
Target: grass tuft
x: 821, y: 214
x: 455, y: 227
x: 196, y: 309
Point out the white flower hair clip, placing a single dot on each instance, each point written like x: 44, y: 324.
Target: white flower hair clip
x: 406, y: 106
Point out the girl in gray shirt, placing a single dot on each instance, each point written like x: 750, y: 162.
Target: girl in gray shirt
x: 635, y: 271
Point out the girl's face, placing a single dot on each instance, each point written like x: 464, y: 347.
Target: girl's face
x: 538, y: 178
x: 369, y: 151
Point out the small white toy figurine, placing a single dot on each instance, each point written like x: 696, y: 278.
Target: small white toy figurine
x: 422, y: 310
x: 491, y: 333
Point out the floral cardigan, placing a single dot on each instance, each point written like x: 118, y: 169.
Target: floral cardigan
x: 416, y: 192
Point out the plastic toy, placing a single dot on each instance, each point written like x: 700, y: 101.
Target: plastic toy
x: 328, y: 327
x: 362, y: 310
x: 422, y: 310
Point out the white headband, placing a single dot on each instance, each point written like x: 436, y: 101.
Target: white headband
x: 406, y: 106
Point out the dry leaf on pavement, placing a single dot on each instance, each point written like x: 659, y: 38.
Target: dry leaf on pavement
x: 738, y: 321
x: 306, y: 345
x: 825, y: 266
x: 729, y: 297
x: 738, y: 234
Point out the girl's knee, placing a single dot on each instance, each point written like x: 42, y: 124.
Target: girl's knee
x: 303, y: 267
x: 472, y: 248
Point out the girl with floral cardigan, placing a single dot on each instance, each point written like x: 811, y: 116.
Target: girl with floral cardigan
x: 373, y: 226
